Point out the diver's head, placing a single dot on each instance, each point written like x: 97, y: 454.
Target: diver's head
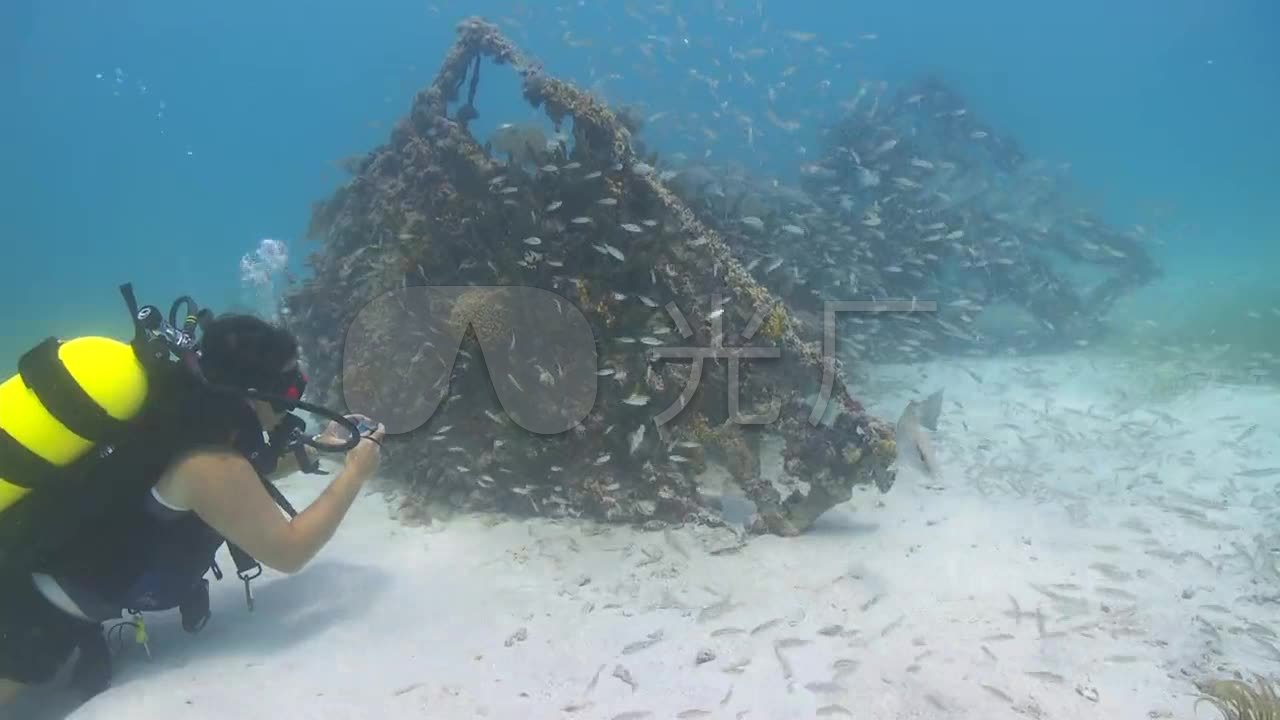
x: 250, y: 353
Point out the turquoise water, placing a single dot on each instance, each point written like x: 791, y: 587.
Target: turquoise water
x: 224, y: 121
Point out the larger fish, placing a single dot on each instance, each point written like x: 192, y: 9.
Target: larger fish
x: 915, y: 447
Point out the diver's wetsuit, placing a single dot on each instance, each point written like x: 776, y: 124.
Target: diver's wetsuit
x: 145, y: 555
x: 161, y: 564
x: 174, y: 550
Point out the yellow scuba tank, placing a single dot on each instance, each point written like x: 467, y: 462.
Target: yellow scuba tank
x: 67, y: 398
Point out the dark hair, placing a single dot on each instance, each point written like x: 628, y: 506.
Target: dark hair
x: 245, y: 351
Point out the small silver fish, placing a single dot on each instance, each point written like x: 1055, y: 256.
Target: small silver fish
x: 1259, y: 472
x: 884, y: 147
x: 715, y: 610
x: 625, y: 676
x: 635, y: 439
x: 653, y: 638
x: 767, y: 625
x: 533, y: 240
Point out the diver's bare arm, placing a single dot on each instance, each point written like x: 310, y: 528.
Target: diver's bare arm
x: 223, y: 489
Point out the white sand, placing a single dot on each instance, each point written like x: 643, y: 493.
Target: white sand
x: 399, y: 622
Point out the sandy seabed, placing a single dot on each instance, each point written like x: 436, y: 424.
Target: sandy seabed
x: 1085, y: 552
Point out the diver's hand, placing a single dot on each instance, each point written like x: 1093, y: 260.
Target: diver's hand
x: 363, y: 459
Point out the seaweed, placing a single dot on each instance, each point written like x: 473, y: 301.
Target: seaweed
x: 1238, y: 700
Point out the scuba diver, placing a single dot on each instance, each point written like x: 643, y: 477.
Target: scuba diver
x: 134, y: 523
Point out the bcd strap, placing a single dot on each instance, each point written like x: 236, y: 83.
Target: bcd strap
x: 19, y: 465
x: 43, y: 372
x: 247, y: 568
x: 280, y: 499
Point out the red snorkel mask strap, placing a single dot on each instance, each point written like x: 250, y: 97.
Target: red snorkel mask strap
x: 295, y: 384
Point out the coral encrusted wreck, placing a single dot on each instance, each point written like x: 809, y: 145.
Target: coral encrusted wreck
x: 586, y: 221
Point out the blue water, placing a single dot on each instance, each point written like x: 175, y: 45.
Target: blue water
x: 225, y: 120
